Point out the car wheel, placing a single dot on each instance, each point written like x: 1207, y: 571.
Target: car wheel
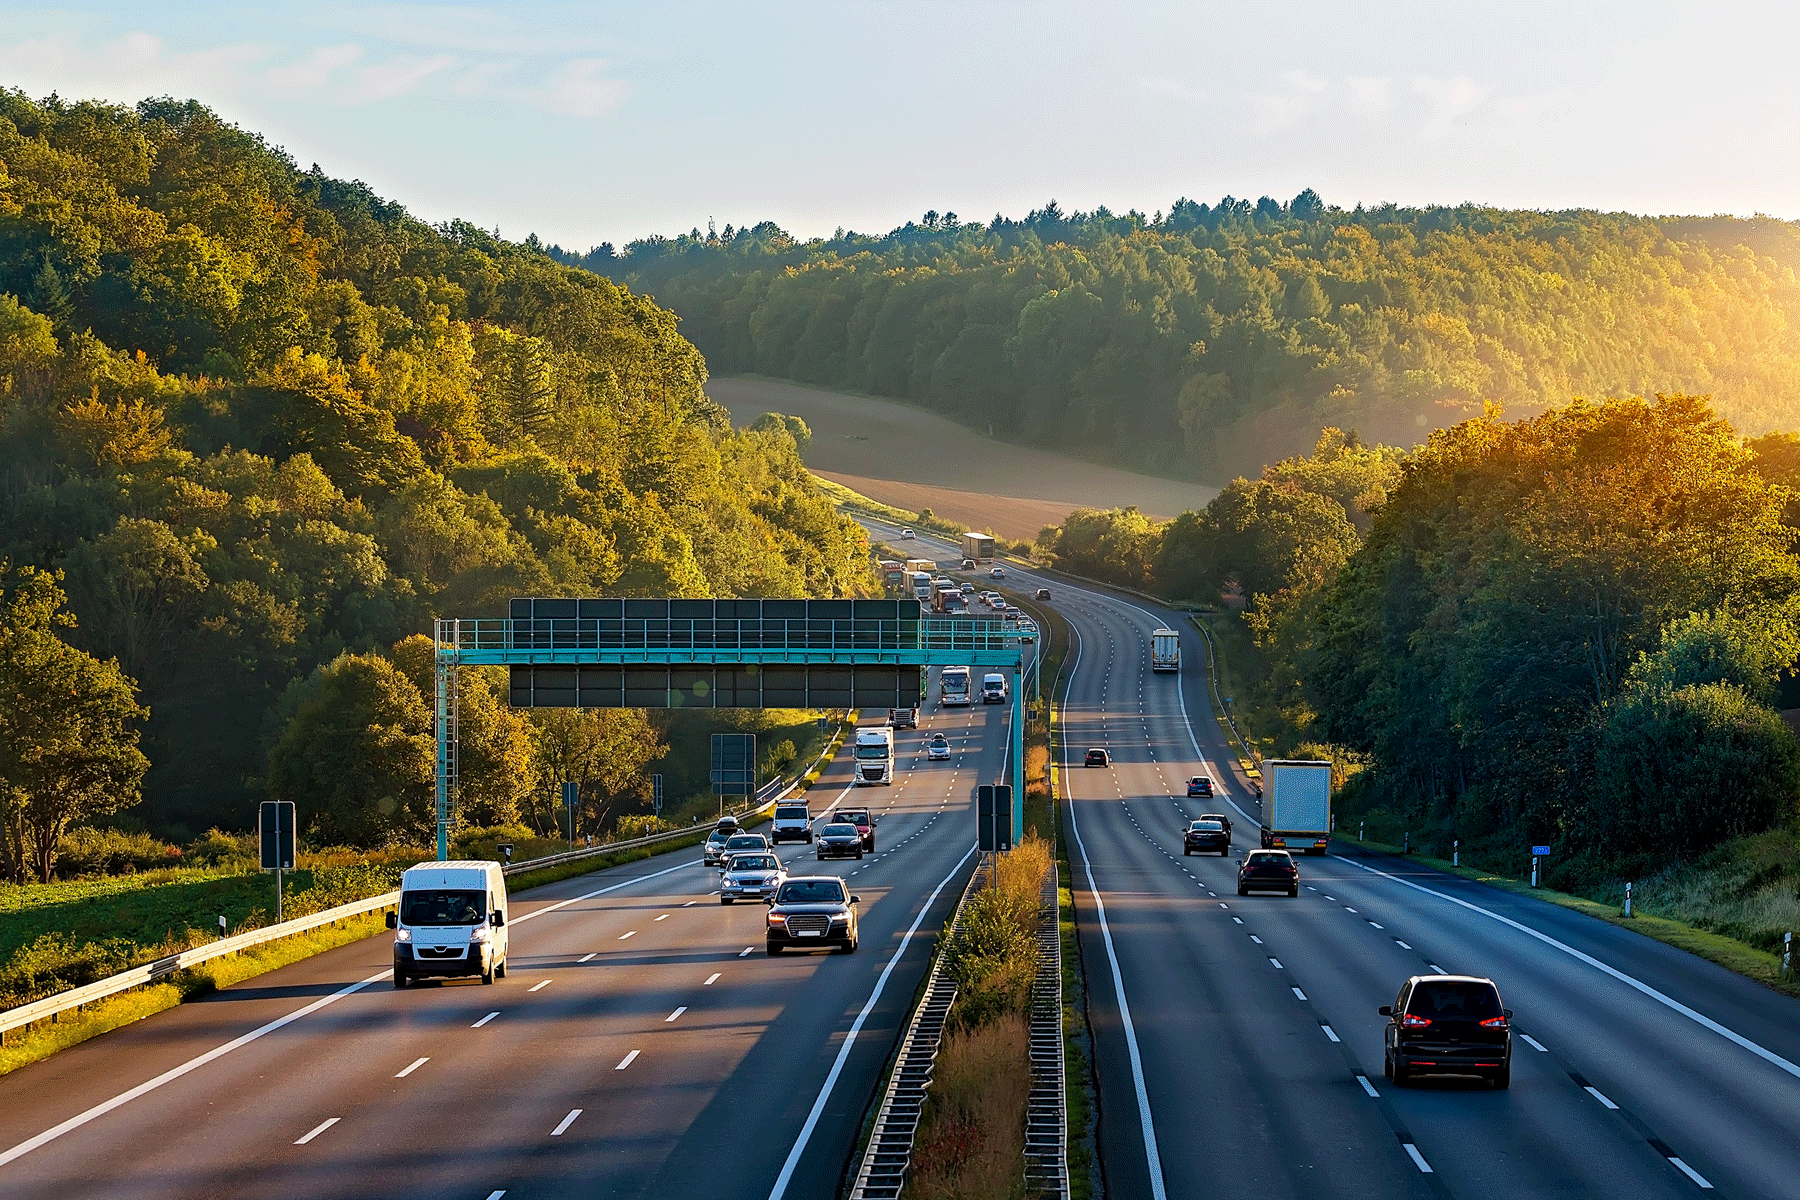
x: 1242, y: 891
x: 1402, y: 1075
x: 487, y: 976
x: 1502, y: 1079
x: 500, y: 968
x: 1225, y: 853
x: 724, y: 899
x: 820, y: 856
x: 400, y: 979
x: 774, y: 949
x: 1294, y: 891
x: 859, y: 856
x: 1185, y: 852
x: 1387, y: 1065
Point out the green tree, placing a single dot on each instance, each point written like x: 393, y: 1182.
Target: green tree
x: 604, y: 751
x: 496, y: 767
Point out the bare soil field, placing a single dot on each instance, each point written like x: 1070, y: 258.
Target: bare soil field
x: 912, y: 459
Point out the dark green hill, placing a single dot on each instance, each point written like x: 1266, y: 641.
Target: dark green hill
x: 1209, y: 340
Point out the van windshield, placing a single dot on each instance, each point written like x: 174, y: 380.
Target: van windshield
x: 795, y: 813
x: 443, y: 906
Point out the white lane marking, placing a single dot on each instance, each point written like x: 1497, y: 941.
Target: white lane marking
x: 586, y: 957
x: 837, y: 1067
x: 536, y: 986
x: 1153, y: 1159
x: 1535, y: 1044
x: 1222, y: 904
x: 496, y: 1195
x: 1347, y: 909
x: 664, y: 917
x: 316, y: 1130
x: 538, y: 912
x: 1377, y: 925
x: 1276, y: 963
x: 674, y: 1014
x: 416, y: 1064
x: 1256, y: 939
x: 126, y: 1097
x: 1298, y: 994
x: 1698, y: 1018
x: 711, y: 979
x: 1412, y: 1152
x: 1331, y: 1033
x: 1367, y: 1086
x: 1401, y: 944
x: 1597, y: 1094
x: 623, y: 936
x: 690, y: 904
x: 626, y: 1061
x: 1691, y: 1173
x: 1438, y: 970
x: 563, y: 1125
x: 485, y: 1020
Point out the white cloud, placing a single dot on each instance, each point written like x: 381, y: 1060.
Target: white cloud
x: 397, y: 77
x: 1369, y: 96
x: 1449, y: 99
x: 1296, y: 97
x: 467, y: 28
x: 579, y: 89
x: 317, y: 68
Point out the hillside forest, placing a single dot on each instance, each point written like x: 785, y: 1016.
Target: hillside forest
x: 258, y: 426
x: 1208, y: 340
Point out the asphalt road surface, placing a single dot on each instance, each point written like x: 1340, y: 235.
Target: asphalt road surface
x: 1238, y: 1050
x: 642, y: 1045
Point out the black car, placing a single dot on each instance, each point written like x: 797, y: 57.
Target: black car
x: 1043, y: 593
x: 1448, y: 1024
x: 840, y: 840
x: 1200, y: 786
x: 1268, y: 871
x: 1221, y: 818
x: 864, y: 822
x: 1205, y: 836
x: 812, y: 910
x: 1097, y: 758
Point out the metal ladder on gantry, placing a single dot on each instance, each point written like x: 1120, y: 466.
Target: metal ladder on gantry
x: 663, y: 653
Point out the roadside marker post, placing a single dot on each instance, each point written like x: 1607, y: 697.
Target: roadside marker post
x: 1628, y: 899
x: 571, y: 798
x: 1537, y: 852
x: 1456, y: 852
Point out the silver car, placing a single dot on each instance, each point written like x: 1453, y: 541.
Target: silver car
x: 738, y: 843
x: 750, y: 876
x: 715, y: 843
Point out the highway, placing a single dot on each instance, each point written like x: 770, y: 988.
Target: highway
x: 1238, y: 1050
x: 642, y: 1045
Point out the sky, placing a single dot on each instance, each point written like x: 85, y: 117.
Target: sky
x: 586, y: 123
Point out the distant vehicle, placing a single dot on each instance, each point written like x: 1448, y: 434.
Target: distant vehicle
x: 1221, y: 818
x: 953, y: 687
x: 1296, y: 805
x: 751, y: 877
x: 864, y: 821
x: 812, y: 910
x: 874, y: 755
x: 839, y: 840
x: 1204, y: 836
x: 977, y: 547
x: 1268, y: 871
x: 993, y: 688
x: 451, y: 920
x: 938, y: 748
x: 968, y: 564
x: 1165, y: 650
x: 921, y: 585
x: 903, y: 718
x: 738, y: 843
x: 1043, y: 593
x: 906, y: 535
x: 927, y: 565
x: 714, y: 849
x: 967, y: 589
x: 1448, y: 1024
x: 1028, y: 631
x: 1097, y: 757
x: 996, y: 572
x: 1200, y: 786
x: 949, y: 600
x: 893, y: 573
x: 793, y: 822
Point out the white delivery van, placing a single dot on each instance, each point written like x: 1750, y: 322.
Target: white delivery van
x: 792, y: 821
x: 993, y: 689
x: 452, y: 921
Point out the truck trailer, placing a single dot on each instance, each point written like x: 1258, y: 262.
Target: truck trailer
x: 1165, y: 650
x: 1296, y: 805
x: 978, y: 547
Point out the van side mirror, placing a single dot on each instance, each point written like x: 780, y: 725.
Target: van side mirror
x: 856, y: 899
x: 1386, y: 1010
x: 393, y: 920
x: 496, y: 918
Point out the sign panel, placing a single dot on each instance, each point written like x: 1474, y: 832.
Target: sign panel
x: 734, y: 764
x: 993, y: 817
x: 275, y: 830
x: 571, y: 794
x: 1540, y: 851
x: 656, y: 794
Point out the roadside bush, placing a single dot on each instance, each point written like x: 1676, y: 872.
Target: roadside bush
x: 637, y: 825
x: 112, y: 852
x: 216, y: 848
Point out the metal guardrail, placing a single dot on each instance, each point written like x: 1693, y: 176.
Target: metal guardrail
x: 884, y: 1165
x: 51, y: 1007
x: 1046, y: 1110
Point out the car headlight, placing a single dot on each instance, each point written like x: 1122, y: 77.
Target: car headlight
x: 777, y: 919
x: 478, y: 934
x: 403, y: 935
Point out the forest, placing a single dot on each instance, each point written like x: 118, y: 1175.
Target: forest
x: 1208, y: 340
x: 258, y: 426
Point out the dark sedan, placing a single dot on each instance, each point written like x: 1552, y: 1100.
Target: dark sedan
x: 1205, y: 837
x: 840, y: 840
x: 1221, y: 818
x: 1448, y: 1024
x: 812, y: 910
x: 1268, y: 871
x: 1098, y: 757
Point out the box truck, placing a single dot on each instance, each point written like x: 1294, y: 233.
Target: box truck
x: 1296, y: 805
x: 978, y: 547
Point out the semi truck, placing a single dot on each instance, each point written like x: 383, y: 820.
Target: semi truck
x: 978, y: 547
x: 921, y: 585
x: 874, y: 755
x: 1296, y: 805
x: 1165, y: 650
x: 893, y: 574
x: 949, y: 600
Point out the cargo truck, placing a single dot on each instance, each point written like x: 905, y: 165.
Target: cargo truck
x: 874, y: 755
x: 1296, y: 805
x: 921, y: 585
x: 927, y: 565
x: 978, y: 547
x: 1165, y: 650
x: 893, y: 574
x: 949, y: 601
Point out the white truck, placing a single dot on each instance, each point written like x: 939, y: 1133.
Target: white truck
x: 451, y: 920
x: 1296, y: 805
x: 1165, y: 650
x: 874, y: 755
x: 921, y: 585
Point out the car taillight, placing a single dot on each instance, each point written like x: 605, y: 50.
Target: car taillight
x: 1411, y: 1022
x: 1494, y: 1023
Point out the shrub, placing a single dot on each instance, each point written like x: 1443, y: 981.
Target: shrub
x: 112, y: 852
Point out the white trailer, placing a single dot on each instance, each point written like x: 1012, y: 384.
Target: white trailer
x: 1165, y: 650
x: 1296, y: 808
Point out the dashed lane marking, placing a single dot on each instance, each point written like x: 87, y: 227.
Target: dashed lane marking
x: 563, y: 1125
x: 537, y: 986
x: 316, y: 1130
x: 485, y: 1020
x: 627, y: 1060
x: 415, y: 1065
x: 1367, y: 1086
x: 1412, y: 1152
x: 711, y: 979
x: 588, y: 957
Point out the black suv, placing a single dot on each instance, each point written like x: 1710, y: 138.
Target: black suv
x: 1450, y: 1024
x: 1268, y: 871
x: 1205, y: 835
x: 813, y: 910
x: 1097, y: 758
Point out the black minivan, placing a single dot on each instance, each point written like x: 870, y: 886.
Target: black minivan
x: 1448, y: 1024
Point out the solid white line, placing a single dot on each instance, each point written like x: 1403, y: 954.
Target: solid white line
x: 1153, y: 1158
x: 1418, y: 1159
x: 1535, y: 1044
x: 837, y: 1068
x: 1330, y: 1033
x: 565, y: 1123
x: 1692, y: 1174
x: 1367, y: 1086
x: 321, y: 1127
x: 416, y: 1064
x: 1598, y: 1095
x: 674, y: 1014
x: 485, y: 1020
x: 1701, y: 1019
x: 623, y: 936
x: 126, y: 1097
x: 586, y: 957
x: 626, y: 1061
x: 711, y: 979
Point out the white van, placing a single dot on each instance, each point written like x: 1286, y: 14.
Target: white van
x: 452, y: 921
x: 792, y: 822
x: 993, y: 689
